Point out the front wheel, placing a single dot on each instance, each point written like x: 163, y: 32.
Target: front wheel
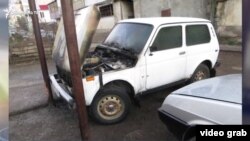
x: 111, y: 105
x: 202, y: 72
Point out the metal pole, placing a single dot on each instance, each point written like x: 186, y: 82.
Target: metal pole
x: 74, y: 59
x: 39, y: 43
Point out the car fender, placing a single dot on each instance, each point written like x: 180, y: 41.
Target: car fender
x: 91, y: 88
x: 191, y: 69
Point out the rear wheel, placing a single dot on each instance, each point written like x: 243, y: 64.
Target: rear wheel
x: 202, y: 72
x: 111, y: 105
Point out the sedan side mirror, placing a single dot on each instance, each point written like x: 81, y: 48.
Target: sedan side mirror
x: 153, y: 48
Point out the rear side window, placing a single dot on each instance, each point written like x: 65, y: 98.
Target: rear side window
x: 168, y: 38
x: 197, y: 34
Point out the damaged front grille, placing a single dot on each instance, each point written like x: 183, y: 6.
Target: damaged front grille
x: 64, y: 75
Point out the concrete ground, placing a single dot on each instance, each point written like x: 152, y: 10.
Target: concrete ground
x: 26, y: 81
x: 33, y: 119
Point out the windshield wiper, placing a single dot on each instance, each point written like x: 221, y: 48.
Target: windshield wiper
x: 124, y: 51
x: 129, y: 50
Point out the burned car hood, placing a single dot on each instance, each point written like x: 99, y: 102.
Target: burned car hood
x: 86, y: 21
x: 225, y: 88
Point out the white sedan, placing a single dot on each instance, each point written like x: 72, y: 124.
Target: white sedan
x: 215, y: 101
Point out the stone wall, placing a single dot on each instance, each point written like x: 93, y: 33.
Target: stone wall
x: 26, y: 52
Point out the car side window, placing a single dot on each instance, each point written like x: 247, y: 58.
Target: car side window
x: 168, y: 38
x: 197, y: 34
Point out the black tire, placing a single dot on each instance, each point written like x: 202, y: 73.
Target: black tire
x: 201, y: 72
x: 111, y: 105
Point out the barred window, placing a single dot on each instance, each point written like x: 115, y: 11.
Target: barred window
x: 106, y: 10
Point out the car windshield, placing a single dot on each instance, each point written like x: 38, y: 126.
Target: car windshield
x: 129, y: 36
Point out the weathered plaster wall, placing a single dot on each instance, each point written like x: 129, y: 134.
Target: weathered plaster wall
x: 106, y: 23
x: 123, y: 10
x: 229, y: 18
x: 187, y: 8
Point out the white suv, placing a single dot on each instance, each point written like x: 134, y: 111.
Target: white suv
x: 141, y: 55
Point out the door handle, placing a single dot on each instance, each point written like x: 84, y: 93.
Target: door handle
x: 182, y: 53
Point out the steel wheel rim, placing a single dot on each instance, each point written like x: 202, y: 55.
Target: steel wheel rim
x: 110, y: 107
x: 200, y: 75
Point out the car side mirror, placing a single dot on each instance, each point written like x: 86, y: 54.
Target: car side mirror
x: 153, y: 48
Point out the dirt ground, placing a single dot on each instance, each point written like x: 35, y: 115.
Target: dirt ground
x: 142, y: 124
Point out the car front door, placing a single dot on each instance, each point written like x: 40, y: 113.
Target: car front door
x: 166, y: 57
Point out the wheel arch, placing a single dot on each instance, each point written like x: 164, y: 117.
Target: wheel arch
x: 126, y: 84
x: 210, y: 66
x: 207, y: 63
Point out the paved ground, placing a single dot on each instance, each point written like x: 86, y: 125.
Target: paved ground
x: 60, y: 124
x: 27, y: 81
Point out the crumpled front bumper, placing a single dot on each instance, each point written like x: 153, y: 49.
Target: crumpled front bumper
x: 59, y: 90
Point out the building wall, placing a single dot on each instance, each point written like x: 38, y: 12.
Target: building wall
x: 106, y: 23
x: 77, y: 4
x: 91, y: 2
x: 46, y: 16
x: 55, y: 13
x: 187, y: 8
x: 229, y: 18
x: 123, y: 10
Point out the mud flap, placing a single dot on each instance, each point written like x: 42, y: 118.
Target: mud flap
x: 213, y: 73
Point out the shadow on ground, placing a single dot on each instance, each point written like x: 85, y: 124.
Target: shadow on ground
x: 61, y: 124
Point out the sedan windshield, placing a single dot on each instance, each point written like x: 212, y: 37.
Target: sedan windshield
x: 129, y: 36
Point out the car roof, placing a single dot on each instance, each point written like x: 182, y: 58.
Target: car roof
x: 156, y: 21
x: 223, y: 88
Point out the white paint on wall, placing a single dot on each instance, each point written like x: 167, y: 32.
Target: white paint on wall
x: 91, y: 2
x: 181, y: 8
x: 46, y: 17
x: 106, y: 23
x: 232, y: 14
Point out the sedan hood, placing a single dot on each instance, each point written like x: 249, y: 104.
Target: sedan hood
x: 86, y: 21
x: 225, y: 88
